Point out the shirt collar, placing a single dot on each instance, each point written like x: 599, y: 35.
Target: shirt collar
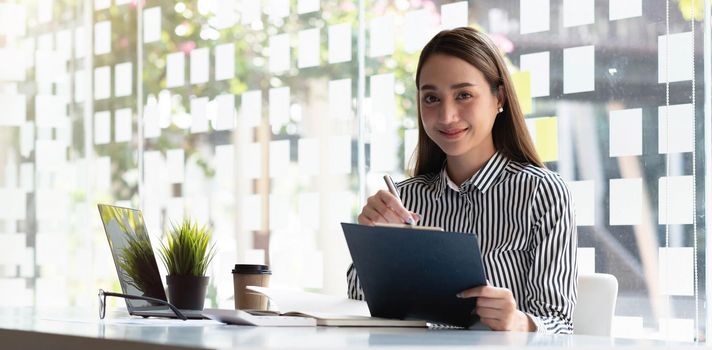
x: 481, y: 180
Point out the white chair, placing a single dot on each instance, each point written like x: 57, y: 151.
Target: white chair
x: 597, y: 295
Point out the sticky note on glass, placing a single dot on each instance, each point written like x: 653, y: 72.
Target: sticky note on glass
x: 277, y: 9
x: 308, y: 48
x: 225, y: 61
x: 586, y: 260
x: 675, y: 57
x: 620, y: 9
x: 676, y: 270
x: 340, y: 154
x: 626, y: 201
x: 279, y: 211
x: 251, y: 155
x: 102, y: 83
x: 251, y: 108
x: 417, y: 29
x: 50, y: 110
x: 584, y: 200
x: 199, y: 61
x: 522, y: 85
x: 13, y: 60
x: 225, y: 119
x: 175, y: 69
x: 14, y: 110
x: 533, y: 16
x: 676, y: 128
x: 309, y: 210
x: 675, y: 200
x: 80, y: 49
x: 279, y: 53
x: 198, y: 114
x: 537, y: 64
x: 102, y: 127
x: 578, y: 12
x: 307, y: 6
x: 123, y: 79
x: 626, y: 132
x: 579, y: 69
x: 102, y: 37
x: 544, y: 134
x: 250, y: 11
x: 279, y: 106
x: 12, y: 19
x: 225, y: 166
x: 308, y: 154
x: 152, y: 24
x: 123, y: 124
x: 454, y: 15
x: 383, y: 150
x: 279, y: 158
x: 252, y: 212
x: 340, y: 43
x: 340, y: 99
x: 383, y: 102
x: 175, y: 162
x: 381, y: 36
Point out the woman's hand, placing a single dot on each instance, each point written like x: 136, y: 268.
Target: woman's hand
x: 384, y: 207
x: 497, y: 309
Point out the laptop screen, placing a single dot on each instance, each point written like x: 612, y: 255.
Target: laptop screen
x: 133, y: 255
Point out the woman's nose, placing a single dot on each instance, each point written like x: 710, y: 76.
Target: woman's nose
x: 448, y: 112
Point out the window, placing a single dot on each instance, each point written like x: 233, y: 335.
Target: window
x: 272, y: 121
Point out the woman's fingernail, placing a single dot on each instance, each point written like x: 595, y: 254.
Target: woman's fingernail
x: 459, y: 295
x: 409, y: 221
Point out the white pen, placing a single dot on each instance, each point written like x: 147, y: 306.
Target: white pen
x: 392, y: 189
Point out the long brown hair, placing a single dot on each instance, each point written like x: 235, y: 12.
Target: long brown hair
x: 509, y: 132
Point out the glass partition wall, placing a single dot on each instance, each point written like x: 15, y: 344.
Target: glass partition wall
x: 271, y: 121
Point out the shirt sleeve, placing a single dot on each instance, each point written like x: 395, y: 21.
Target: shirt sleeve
x: 551, y: 285
x: 355, y: 291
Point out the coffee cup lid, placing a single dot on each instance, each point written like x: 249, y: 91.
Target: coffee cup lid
x: 252, y: 269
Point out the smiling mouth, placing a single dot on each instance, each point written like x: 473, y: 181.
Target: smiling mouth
x: 452, y: 133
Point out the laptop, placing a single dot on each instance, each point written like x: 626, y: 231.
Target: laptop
x: 413, y: 273
x: 124, y: 226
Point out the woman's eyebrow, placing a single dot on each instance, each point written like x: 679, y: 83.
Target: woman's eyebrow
x: 452, y: 87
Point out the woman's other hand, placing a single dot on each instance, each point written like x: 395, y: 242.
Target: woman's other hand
x: 497, y: 309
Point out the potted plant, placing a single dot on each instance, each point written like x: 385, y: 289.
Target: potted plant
x: 186, y: 254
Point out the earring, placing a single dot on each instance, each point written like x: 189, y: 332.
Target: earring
x: 500, y: 110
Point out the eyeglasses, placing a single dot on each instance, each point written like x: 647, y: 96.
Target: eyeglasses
x: 103, y: 295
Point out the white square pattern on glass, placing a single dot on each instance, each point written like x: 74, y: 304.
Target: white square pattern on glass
x: 533, y: 16
x: 579, y: 69
x: 675, y: 270
x: 677, y: 207
x: 620, y: 9
x: 626, y: 201
x: 676, y: 128
x: 584, y: 201
x: 537, y: 64
x: 677, y: 48
x: 626, y: 132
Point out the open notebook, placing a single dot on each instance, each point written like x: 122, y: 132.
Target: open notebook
x: 328, y: 310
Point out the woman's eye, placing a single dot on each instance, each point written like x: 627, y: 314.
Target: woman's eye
x: 463, y: 96
x: 430, y: 99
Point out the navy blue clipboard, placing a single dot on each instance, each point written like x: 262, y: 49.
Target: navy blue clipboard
x: 410, y: 273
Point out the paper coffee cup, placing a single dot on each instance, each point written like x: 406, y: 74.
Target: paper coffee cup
x: 244, y: 275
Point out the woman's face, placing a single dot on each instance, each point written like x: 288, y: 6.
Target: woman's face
x: 457, y: 106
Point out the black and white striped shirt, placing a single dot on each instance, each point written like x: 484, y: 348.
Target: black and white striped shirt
x: 523, y: 217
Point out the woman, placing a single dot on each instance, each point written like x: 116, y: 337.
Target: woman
x: 477, y: 171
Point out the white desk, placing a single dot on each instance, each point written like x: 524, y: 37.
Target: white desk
x: 55, y: 329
